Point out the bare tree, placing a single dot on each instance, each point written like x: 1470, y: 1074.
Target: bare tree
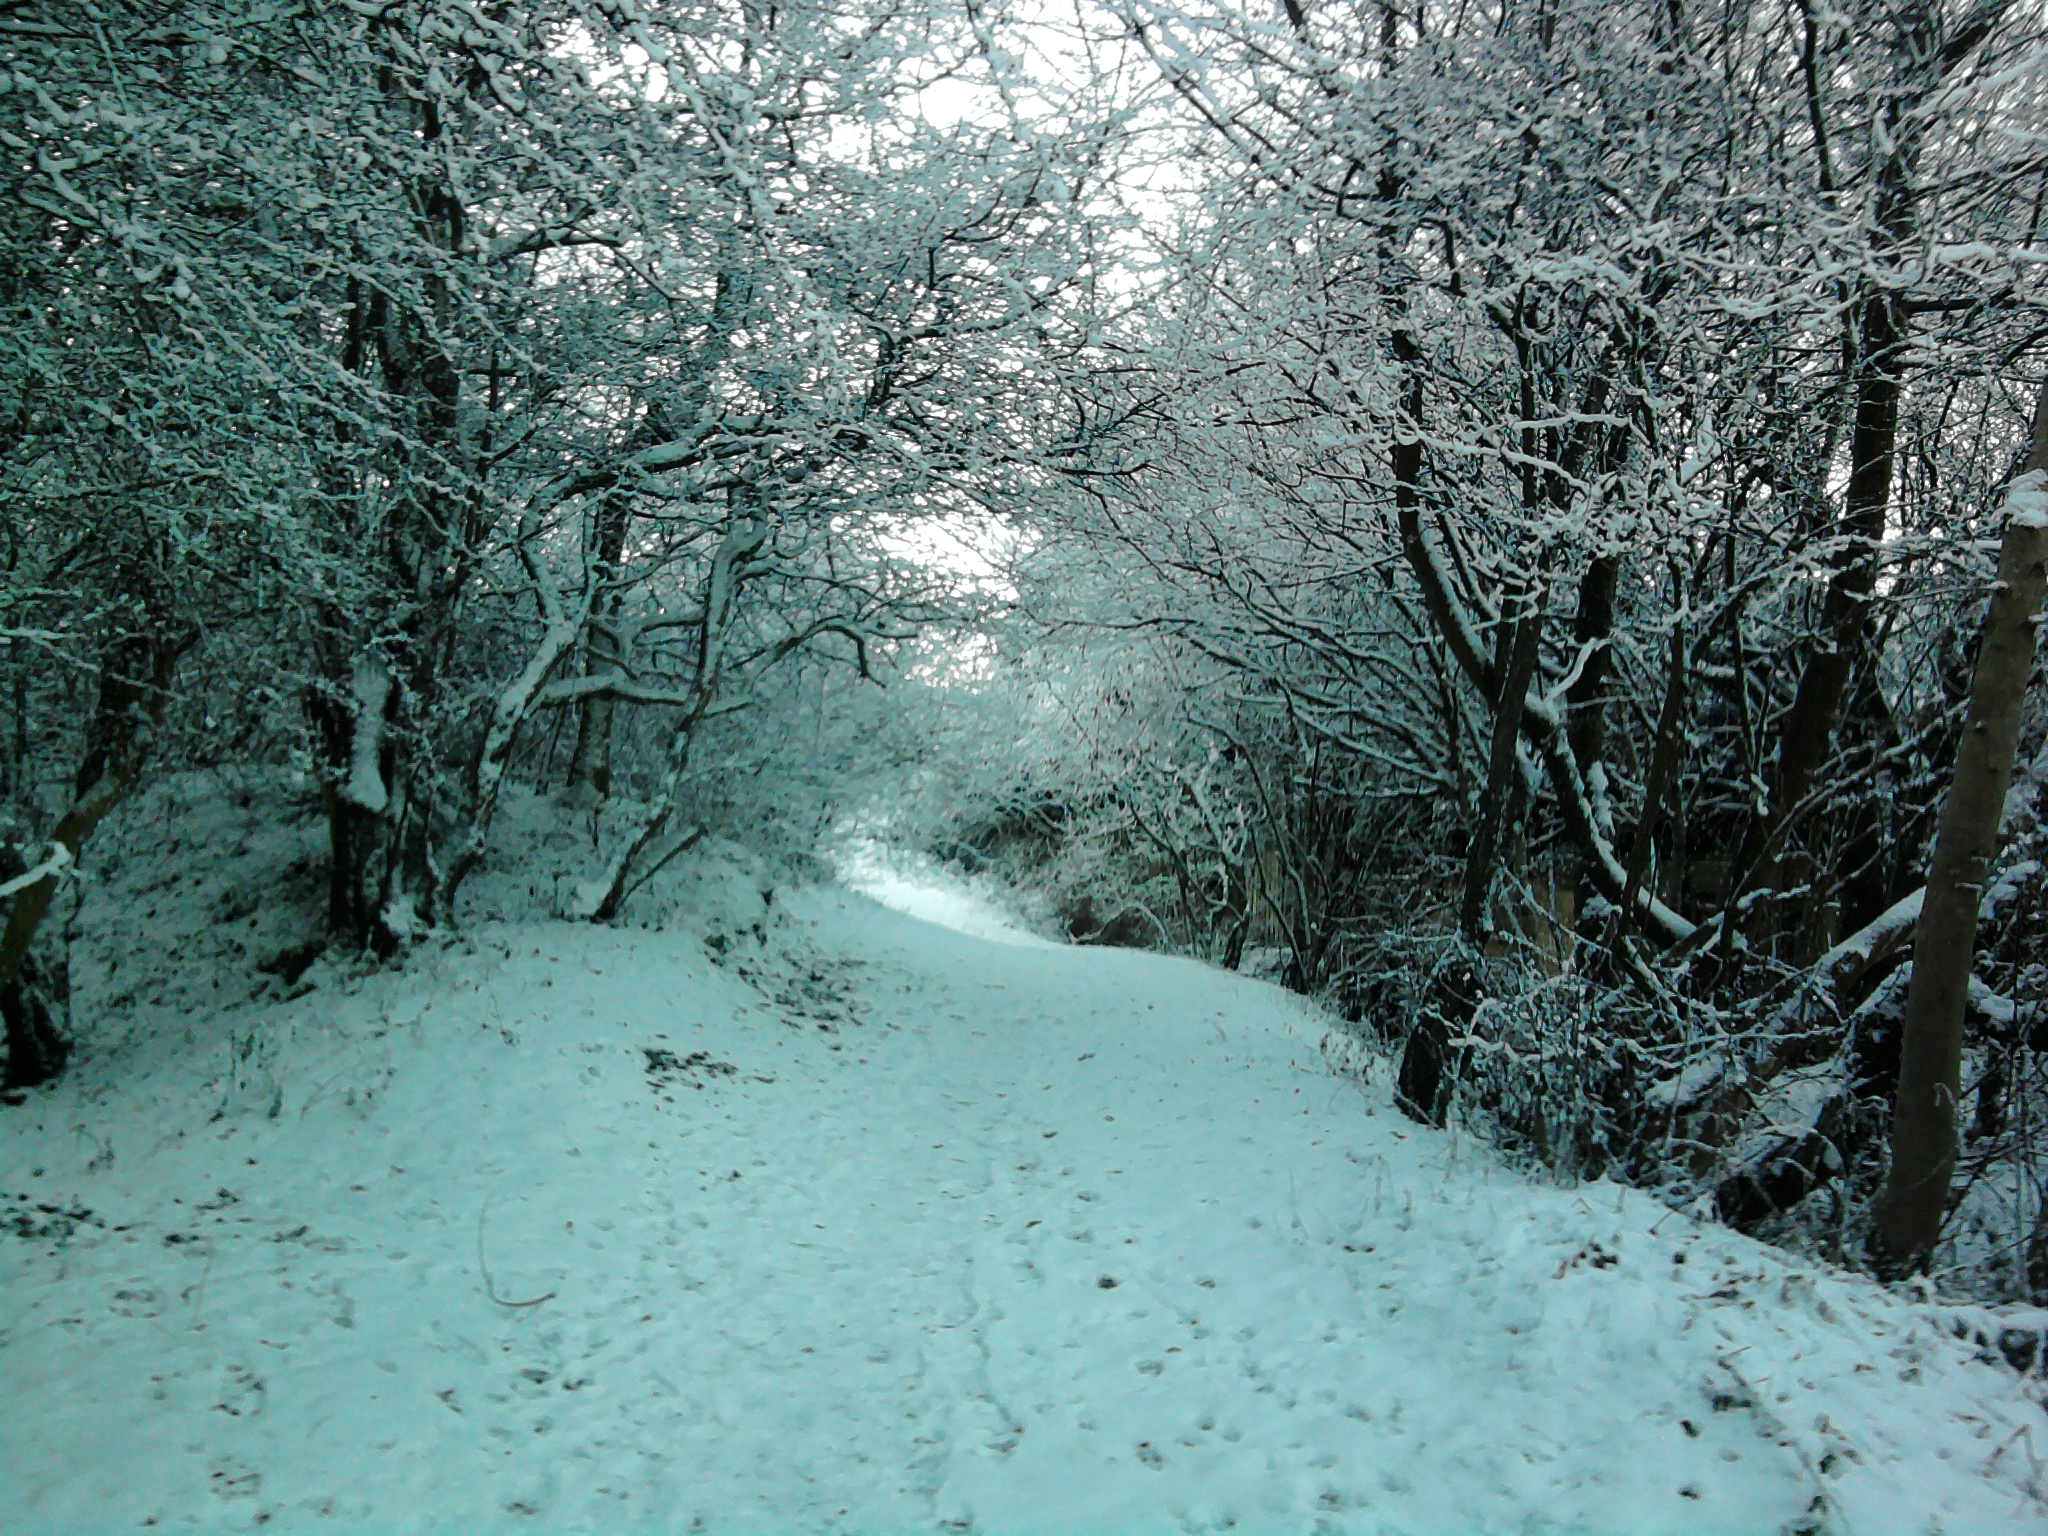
x: 1925, y: 1122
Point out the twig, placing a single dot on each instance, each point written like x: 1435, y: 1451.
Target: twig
x: 484, y: 1269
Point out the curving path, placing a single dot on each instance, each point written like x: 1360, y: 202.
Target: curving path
x: 906, y: 1230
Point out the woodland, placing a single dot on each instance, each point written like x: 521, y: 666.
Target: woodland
x: 1523, y: 520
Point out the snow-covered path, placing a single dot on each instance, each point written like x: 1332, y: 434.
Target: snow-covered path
x: 910, y: 1229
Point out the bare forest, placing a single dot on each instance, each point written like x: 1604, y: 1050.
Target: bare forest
x: 1523, y: 520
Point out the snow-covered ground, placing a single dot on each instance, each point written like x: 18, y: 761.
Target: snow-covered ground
x: 913, y: 883
x: 882, y: 1226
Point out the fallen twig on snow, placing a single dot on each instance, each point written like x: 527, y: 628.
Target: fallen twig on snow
x: 484, y: 1269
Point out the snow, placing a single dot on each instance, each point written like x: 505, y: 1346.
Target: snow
x: 2022, y: 795
x: 879, y: 1225
x: 58, y: 860
x: 912, y: 883
x: 371, y: 681
x: 2026, y: 500
x: 1688, y: 1086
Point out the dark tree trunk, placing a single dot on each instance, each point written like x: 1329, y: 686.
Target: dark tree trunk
x: 1808, y: 726
x: 36, y: 1050
x: 1867, y: 866
x: 1877, y: 340
x: 1585, y: 700
x: 1502, y: 767
x: 1422, y: 1091
x: 590, y: 766
x: 134, y: 690
x: 402, y: 342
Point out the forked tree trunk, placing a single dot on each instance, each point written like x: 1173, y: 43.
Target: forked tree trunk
x: 1915, y: 1197
x: 653, y: 845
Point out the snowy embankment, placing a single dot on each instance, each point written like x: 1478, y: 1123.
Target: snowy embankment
x: 882, y: 1227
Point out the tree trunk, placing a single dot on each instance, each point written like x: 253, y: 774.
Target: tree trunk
x: 1915, y: 1197
x: 36, y: 1049
x: 359, y: 790
x: 1808, y: 726
x: 1422, y: 1091
x: 1877, y: 344
x: 1665, y: 754
x: 1592, y: 629
x: 590, y: 767
x: 133, y: 692
x: 745, y: 532
x: 1501, y: 765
